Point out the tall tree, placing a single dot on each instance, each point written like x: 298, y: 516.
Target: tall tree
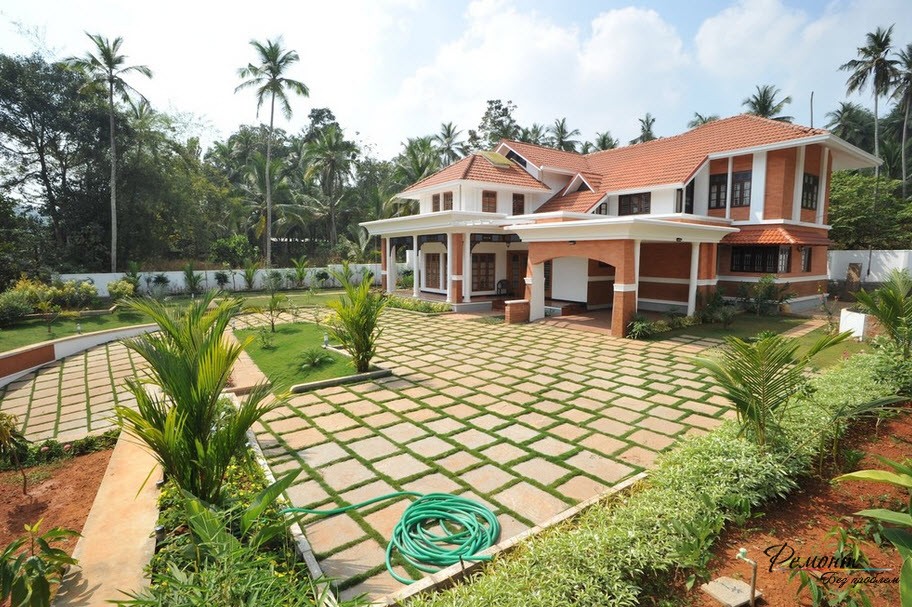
x: 536, y: 134
x: 699, y: 120
x: 417, y: 160
x: 875, y: 66
x: 329, y: 158
x: 853, y: 123
x: 763, y: 103
x: 604, y: 141
x: 562, y: 136
x: 450, y: 147
x: 646, y: 133
x: 496, y: 124
x: 105, y: 67
x: 270, y: 81
x: 903, y: 96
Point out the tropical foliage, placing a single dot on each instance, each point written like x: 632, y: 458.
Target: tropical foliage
x: 355, y: 322
x: 31, y: 565
x: 891, y: 305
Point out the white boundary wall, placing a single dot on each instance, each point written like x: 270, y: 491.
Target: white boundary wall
x: 881, y: 263
x: 176, y: 284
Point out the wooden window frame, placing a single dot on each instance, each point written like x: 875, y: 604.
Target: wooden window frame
x: 484, y: 268
x: 741, y: 188
x: 635, y: 204
x: 718, y: 190
x: 761, y: 259
x: 519, y: 202
x: 806, y: 257
x: 448, y: 201
x: 486, y: 196
x: 428, y: 273
x: 601, y: 209
x: 435, y: 203
x: 810, y: 190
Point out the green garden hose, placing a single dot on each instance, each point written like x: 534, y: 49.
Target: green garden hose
x: 463, y: 529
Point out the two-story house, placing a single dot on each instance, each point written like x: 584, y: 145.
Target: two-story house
x: 652, y: 226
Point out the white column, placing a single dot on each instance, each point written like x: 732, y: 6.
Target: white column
x: 466, y: 266
x: 799, y: 185
x: 692, y: 284
x: 449, y: 268
x: 415, y: 265
x: 758, y: 187
x: 728, y: 189
x: 636, y: 274
x: 537, y: 300
x: 824, y: 179
x: 391, y: 270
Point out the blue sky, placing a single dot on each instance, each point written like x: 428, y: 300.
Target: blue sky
x: 392, y: 69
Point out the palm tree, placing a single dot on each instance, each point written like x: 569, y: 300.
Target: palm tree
x: 903, y: 96
x: 763, y: 103
x: 536, y: 134
x: 646, y: 134
x: 329, y: 157
x: 852, y: 122
x: 699, y: 120
x: 269, y: 81
x: 105, y: 67
x: 418, y: 159
x: 873, y: 65
x: 604, y: 141
x: 561, y: 136
x: 449, y: 146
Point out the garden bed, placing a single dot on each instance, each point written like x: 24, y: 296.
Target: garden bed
x: 804, y: 519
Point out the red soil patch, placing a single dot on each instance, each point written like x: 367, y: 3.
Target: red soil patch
x: 809, y: 513
x: 63, y: 498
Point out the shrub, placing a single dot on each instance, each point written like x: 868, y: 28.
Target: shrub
x: 27, y: 576
x: 13, y: 445
x: 187, y: 426
x: 119, y: 289
x: 355, y: 322
x: 193, y: 281
x: 250, y: 272
x: 221, y: 279
x: 13, y: 306
x: 764, y: 296
x: 321, y: 276
x: 315, y: 357
x: 274, y: 281
x: 417, y: 305
x: 70, y: 295
x: 161, y: 280
x: 132, y: 274
x: 299, y: 273
x: 639, y: 328
x: 891, y: 305
x: 233, y: 251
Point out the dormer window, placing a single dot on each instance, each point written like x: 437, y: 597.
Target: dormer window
x: 488, y: 202
x: 435, y: 203
x: 634, y: 204
x: 448, y: 201
x: 516, y: 158
x: 583, y: 187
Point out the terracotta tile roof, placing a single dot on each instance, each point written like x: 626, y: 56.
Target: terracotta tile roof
x: 478, y: 168
x: 574, y: 202
x: 662, y: 161
x: 777, y: 235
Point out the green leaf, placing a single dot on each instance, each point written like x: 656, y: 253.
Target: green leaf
x: 887, y: 516
x: 905, y: 583
x: 901, y: 539
x: 264, y: 498
x: 878, y: 476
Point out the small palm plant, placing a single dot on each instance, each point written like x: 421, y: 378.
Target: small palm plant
x: 761, y: 377
x: 13, y: 444
x: 188, y: 426
x: 355, y: 322
x: 300, y: 271
x: 891, y: 305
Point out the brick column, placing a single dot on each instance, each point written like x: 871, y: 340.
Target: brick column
x: 458, y: 267
x: 625, y: 294
x: 706, y: 274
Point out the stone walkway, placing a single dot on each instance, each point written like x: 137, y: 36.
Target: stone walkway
x: 528, y: 419
x: 74, y: 397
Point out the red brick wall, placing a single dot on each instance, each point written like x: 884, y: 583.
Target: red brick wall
x: 780, y: 183
x: 516, y: 312
x: 13, y: 363
x: 665, y: 260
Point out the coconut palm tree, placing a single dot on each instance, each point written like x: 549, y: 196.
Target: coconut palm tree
x: 903, y: 96
x: 536, y: 134
x: 875, y: 66
x: 699, y: 120
x: 329, y: 157
x: 561, y: 136
x: 852, y: 122
x: 104, y: 67
x: 646, y: 133
x: 604, y: 141
x: 268, y: 78
x: 763, y: 103
x: 448, y: 143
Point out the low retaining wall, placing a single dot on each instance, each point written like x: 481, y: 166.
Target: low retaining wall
x: 516, y: 311
x: 16, y: 363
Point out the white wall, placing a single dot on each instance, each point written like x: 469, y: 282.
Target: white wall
x: 701, y: 191
x: 881, y: 263
x: 176, y: 284
x: 570, y: 278
x: 662, y: 202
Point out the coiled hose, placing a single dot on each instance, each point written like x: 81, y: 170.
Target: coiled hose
x: 435, y: 531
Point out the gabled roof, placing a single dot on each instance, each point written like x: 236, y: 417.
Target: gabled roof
x: 669, y: 160
x: 479, y: 167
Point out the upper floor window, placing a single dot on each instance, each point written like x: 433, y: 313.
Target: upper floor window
x: 488, y: 202
x: 718, y: 187
x: 435, y: 203
x: 741, y: 189
x: 601, y: 209
x: 684, y: 199
x: 448, y: 201
x: 519, y: 204
x: 810, y: 191
x: 634, y: 204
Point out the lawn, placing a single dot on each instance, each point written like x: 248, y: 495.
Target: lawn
x: 35, y: 330
x: 833, y: 354
x: 282, y: 362
x: 744, y: 325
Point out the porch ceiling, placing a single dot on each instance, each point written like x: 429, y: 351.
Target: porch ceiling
x: 622, y: 228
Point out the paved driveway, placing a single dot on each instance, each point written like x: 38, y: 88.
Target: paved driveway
x: 529, y: 419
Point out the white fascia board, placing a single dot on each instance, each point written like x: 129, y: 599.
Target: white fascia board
x: 828, y: 139
x: 551, y: 215
x: 449, y: 185
x: 575, y: 182
x: 545, y: 168
x: 617, y: 228
x: 441, y: 221
x: 791, y: 222
x: 720, y: 220
x: 647, y: 188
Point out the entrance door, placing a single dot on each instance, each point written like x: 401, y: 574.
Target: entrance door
x: 516, y: 272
